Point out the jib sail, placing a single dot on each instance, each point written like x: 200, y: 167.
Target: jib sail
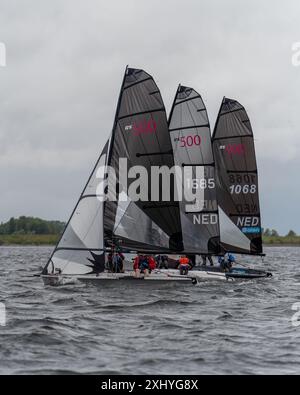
x: 81, y: 247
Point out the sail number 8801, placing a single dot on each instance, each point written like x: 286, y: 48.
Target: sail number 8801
x: 243, y: 189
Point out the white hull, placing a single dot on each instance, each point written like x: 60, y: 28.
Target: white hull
x: 156, y: 277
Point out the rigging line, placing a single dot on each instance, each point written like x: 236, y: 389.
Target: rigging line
x: 231, y: 111
x: 189, y: 127
x: 232, y: 137
x: 137, y: 83
x: 186, y: 100
x: 242, y: 172
x: 81, y: 249
x: 141, y: 113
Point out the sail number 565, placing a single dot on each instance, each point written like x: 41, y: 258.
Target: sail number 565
x: 243, y: 189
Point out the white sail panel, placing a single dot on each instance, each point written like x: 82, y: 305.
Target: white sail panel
x: 130, y: 218
x: 231, y: 234
x: 85, y: 229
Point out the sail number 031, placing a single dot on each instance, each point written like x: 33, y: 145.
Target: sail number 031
x: 243, y: 189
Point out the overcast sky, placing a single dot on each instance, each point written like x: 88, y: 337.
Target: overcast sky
x: 65, y: 63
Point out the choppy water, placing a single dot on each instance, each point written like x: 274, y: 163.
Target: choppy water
x: 224, y: 328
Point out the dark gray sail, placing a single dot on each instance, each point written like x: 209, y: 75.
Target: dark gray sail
x: 237, y: 180
x: 141, y: 136
x: 191, y: 139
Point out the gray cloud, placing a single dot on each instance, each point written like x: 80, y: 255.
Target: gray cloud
x: 65, y: 62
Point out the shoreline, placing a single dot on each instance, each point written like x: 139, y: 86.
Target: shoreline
x: 14, y: 245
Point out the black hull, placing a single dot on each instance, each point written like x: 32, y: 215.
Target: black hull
x: 238, y: 273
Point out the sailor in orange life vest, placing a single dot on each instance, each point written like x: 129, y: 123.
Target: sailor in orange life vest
x: 184, y: 265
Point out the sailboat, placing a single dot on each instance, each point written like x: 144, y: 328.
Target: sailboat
x: 99, y: 225
x: 106, y: 219
x: 237, y: 186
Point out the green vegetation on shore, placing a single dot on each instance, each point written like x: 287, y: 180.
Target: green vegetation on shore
x: 36, y: 231
x: 28, y: 240
x: 271, y: 237
x: 30, y: 231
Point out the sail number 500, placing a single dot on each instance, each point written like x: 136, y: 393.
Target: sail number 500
x: 244, y: 189
x: 190, y: 141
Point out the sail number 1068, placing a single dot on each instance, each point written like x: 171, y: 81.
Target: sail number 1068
x: 243, y: 189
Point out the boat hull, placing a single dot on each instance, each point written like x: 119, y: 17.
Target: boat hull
x: 128, y: 278
x: 238, y: 273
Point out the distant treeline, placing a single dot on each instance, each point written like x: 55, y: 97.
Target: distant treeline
x: 271, y: 236
x: 31, y: 226
x: 36, y: 231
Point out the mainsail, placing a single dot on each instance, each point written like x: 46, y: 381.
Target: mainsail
x: 140, y: 136
x: 191, y: 139
x: 237, y: 180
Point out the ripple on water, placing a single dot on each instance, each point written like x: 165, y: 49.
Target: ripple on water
x: 241, y: 328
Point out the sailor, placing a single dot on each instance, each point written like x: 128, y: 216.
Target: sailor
x: 136, y: 266
x: 151, y: 263
x: 122, y: 260
x: 141, y: 265
x: 116, y: 262
x: 231, y: 261
x: 162, y: 262
x: 222, y: 263
x: 184, y: 265
x: 144, y: 265
x: 110, y: 266
x: 204, y: 260
x: 165, y: 262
